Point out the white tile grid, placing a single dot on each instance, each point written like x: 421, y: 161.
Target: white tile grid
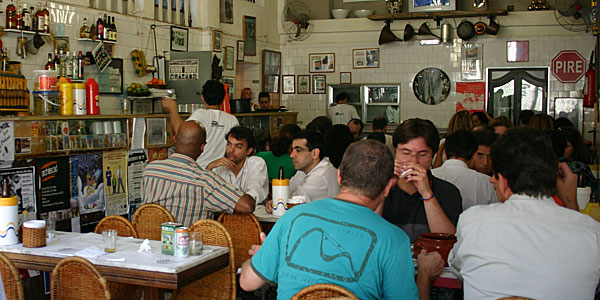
x: 400, y: 62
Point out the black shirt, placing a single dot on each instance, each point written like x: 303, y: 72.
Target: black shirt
x: 408, y: 211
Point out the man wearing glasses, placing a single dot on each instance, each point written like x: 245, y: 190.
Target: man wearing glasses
x: 420, y: 203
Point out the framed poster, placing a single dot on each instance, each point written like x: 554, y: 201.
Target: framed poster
x: 517, y: 51
x: 231, y: 82
x: 271, y: 70
x: 179, y: 39
x: 240, y: 50
x: 570, y: 108
x: 319, y: 84
x: 289, y: 84
x: 321, y: 62
x: 250, y: 35
x: 217, y: 38
x: 303, y: 84
x: 431, y: 5
x: 226, y: 11
x: 472, y: 61
x: 365, y: 58
x: 229, y: 58
x: 345, y: 77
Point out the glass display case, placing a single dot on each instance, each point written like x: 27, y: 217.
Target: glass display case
x: 370, y: 100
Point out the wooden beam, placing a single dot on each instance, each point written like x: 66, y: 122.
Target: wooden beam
x: 438, y: 15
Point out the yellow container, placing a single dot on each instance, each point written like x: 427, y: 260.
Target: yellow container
x: 65, y: 96
x: 592, y: 210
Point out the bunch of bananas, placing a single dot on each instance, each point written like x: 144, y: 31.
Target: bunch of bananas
x: 139, y: 62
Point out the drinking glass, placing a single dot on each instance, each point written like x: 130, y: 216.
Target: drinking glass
x: 110, y: 240
x: 195, y: 243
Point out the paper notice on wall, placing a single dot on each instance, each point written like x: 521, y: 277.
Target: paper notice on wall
x: 139, y: 132
x: 115, y: 176
x: 7, y: 143
x: 183, y: 69
x: 470, y: 96
x: 136, y: 162
x: 22, y: 184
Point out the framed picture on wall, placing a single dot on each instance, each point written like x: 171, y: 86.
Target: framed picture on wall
x: 319, y: 84
x: 289, y: 84
x: 321, y: 62
x: 250, y: 35
x: 303, y: 84
x: 345, y: 77
x: 271, y: 69
x: 229, y: 58
x: 217, y: 39
x: 240, y: 50
x: 179, y: 39
x: 226, y: 11
x: 570, y: 108
x: 472, y: 61
x: 517, y: 51
x: 365, y: 58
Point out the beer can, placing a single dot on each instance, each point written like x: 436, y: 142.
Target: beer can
x: 167, y: 236
x: 182, y: 242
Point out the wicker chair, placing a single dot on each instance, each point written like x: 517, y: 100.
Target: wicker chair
x: 13, y: 286
x: 323, y: 291
x: 221, y: 284
x: 124, y: 228
x: 75, y: 278
x: 245, y: 231
x: 147, y: 220
x: 120, y: 224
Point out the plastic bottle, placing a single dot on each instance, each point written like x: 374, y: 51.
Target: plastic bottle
x: 65, y: 96
x: 92, y: 100
x: 281, y: 194
x: 9, y: 220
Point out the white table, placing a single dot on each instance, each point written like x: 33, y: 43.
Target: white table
x: 154, y: 271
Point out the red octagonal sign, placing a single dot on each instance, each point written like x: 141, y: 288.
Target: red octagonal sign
x: 568, y: 66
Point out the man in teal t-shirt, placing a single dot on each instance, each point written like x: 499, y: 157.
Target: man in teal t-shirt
x: 343, y: 241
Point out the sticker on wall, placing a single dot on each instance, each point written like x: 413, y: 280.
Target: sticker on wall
x: 470, y: 96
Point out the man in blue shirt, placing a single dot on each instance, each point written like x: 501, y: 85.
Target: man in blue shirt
x: 342, y: 240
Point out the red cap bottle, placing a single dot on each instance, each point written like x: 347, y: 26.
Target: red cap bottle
x: 91, y: 93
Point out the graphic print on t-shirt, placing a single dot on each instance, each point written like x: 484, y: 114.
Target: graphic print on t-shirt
x: 338, y: 250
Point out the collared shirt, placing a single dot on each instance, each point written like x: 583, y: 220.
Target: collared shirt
x: 343, y: 113
x: 526, y: 247
x: 319, y: 183
x: 475, y: 188
x: 217, y: 124
x: 189, y: 192
x: 252, y: 179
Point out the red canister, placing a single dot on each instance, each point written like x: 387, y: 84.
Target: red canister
x: 91, y: 93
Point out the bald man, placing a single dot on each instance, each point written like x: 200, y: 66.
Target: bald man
x: 189, y: 192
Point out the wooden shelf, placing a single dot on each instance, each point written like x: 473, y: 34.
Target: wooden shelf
x: 438, y: 15
x: 96, y: 41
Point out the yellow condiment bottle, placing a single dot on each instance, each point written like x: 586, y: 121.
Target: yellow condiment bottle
x: 65, y: 91
x: 593, y: 208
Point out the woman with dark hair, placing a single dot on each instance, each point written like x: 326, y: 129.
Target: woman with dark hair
x: 279, y: 156
x: 338, y: 138
x: 480, y: 118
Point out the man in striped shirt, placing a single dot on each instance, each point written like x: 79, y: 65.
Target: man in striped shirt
x: 189, y: 192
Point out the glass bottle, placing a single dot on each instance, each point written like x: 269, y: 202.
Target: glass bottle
x: 81, y: 62
x: 99, y: 28
x: 39, y: 18
x: 84, y: 31
x: 61, y: 67
x: 19, y: 19
x: 5, y: 60
x: 106, y: 31
x: 75, y: 66
x: 50, y: 64
x: 46, y: 15
x: 68, y: 66
x: 11, y: 16
x: 26, y: 18
x: 34, y: 19
x: 114, y: 29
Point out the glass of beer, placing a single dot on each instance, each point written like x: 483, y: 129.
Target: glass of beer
x: 110, y: 240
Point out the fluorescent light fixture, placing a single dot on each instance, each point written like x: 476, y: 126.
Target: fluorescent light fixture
x: 429, y: 42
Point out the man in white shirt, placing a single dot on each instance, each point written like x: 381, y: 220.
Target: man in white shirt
x: 475, y: 188
x: 482, y: 161
x: 527, y: 246
x: 316, y: 178
x: 244, y: 171
x: 342, y: 113
x: 216, y: 122
x: 380, y: 124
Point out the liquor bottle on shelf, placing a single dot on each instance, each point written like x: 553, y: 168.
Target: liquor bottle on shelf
x: 75, y: 64
x: 81, y: 62
x: 26, y: 18
x: 34, y: 19
x: 68, y: 66
x: 46, y: 17
x: 61, y: 67
x: 106, y: 29
x: 11, y: 16
x: 114, y: 29
x: 5, y: 61
x: 84, y: 31
x: 50, y: 64
x: 56, y: 61
x: 99, y: 28
x: 39, y: 18
x: 19, y: 19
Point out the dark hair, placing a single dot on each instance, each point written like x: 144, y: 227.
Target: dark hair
x: 379, y: 123
x: 281, y: 144
x: 213, y: 92
x: 501, y: 121
x: 320, y: 124
x: 264, y: 94
x: 378, y: 136
x: 559, y: 142
x: 357, y: 122
x: 525, y: 116
x: 461, y: 120
x: 366, y: 168
x: 542, y: 122
x: 461, y: 144
x: 313, y: 141
x: 563, y: 122
x: 242, y: 133
x: 481, y: 116
x: 579, y: 149
x: 524, y: 156
x: 341, y: 96
x: 485, y: 136
x: 338, y: 138
x: 417, y: 128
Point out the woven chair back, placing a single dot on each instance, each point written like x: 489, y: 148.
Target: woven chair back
x: 323, y: 291
x: 148, y: 218
x: 221, y: 284
x: 244, y: 230
x: 13, y: 286
x: 121, y: 225
x: 75, y: 278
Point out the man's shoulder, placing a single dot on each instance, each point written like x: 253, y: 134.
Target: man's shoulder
x: 443, y: 186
